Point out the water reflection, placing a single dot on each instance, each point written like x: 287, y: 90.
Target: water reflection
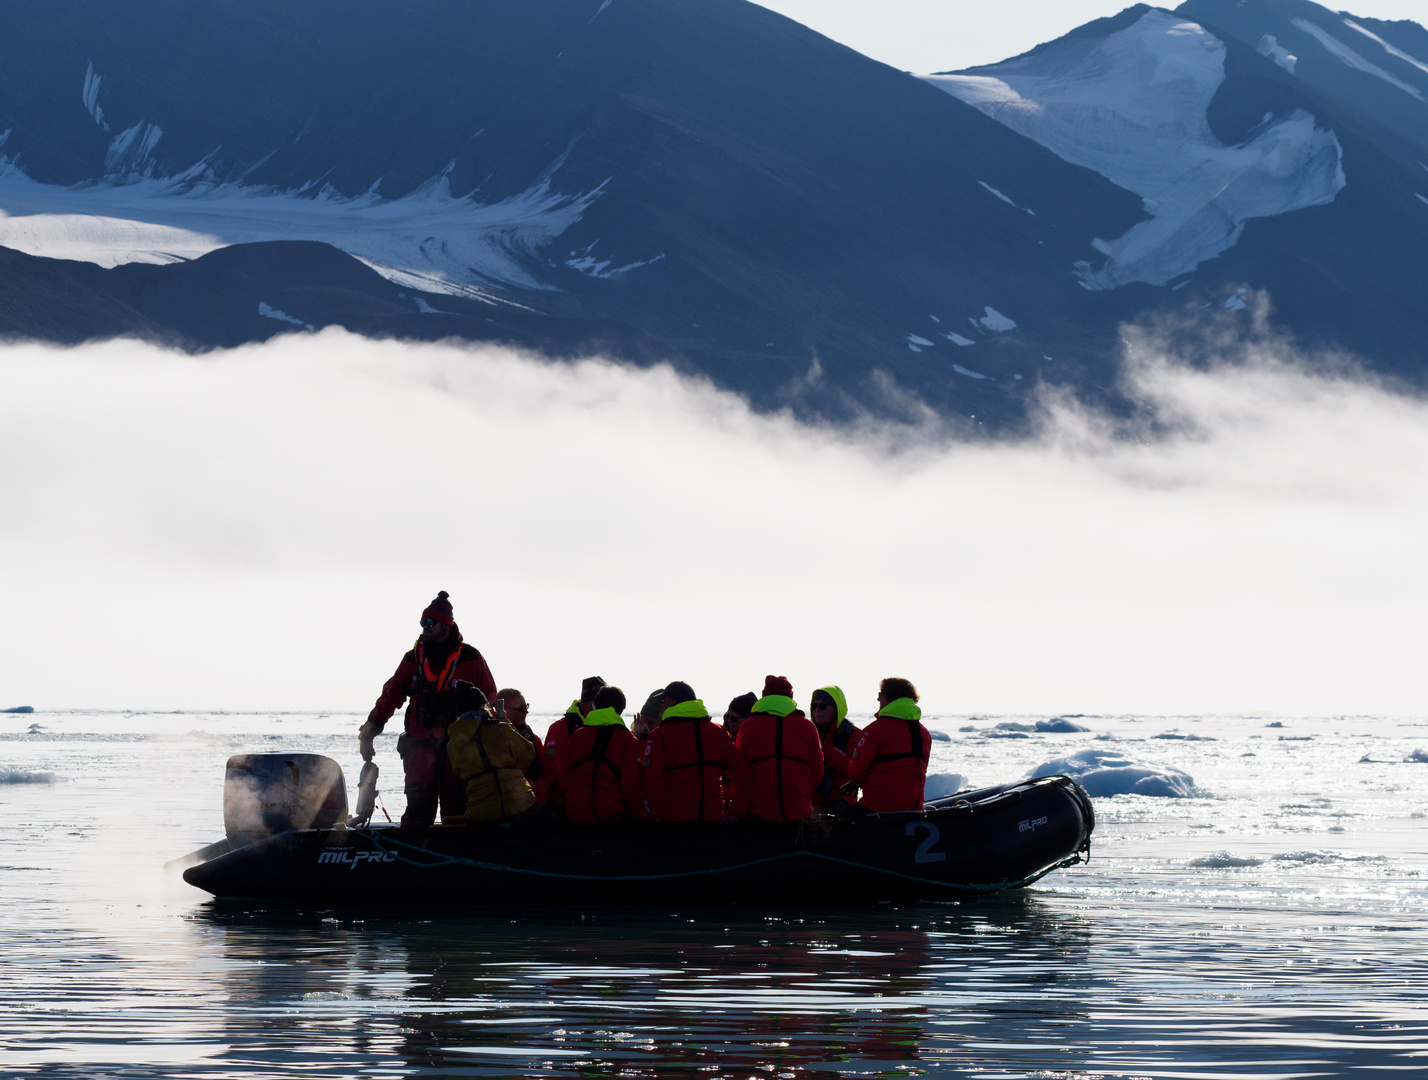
x: 647, y: 992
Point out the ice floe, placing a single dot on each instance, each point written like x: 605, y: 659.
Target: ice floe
x: 1059, y: 724
x: 1103, y: 773
x: 1132, y: 107
x: 1350, y: 58
x: 1223, y: 860
x: 428, y: 240
x: 939, y: 785
x: 1418, y: 755
x: 1184, y: 736
x: 24, y: 776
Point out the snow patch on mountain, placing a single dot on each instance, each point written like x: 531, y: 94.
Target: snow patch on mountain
x: 269, y: 312
x: 1392, y: 50
x: 1269, y: 46
x: 132, y: 151
x: 1345, y: 55
x: 585, y: 263
x: 92, y: 81
x: 1132, y: 107
x: 960, y: 370
x: 428, y: 240
x: 995, y: 320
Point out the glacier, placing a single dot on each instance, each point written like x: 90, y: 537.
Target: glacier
x: 428, y: 240
x: 1132, y: 107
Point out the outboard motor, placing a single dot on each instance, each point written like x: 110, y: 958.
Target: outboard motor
x: 265, y: 794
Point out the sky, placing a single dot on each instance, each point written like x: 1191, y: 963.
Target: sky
x: 260, y: 529
x: 944, y: 35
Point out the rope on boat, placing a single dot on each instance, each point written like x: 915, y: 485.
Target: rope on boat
x: 457, y: 860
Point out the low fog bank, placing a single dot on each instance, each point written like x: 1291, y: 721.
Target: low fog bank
x: 261, y: 528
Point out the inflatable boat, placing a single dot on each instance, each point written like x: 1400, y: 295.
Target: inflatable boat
x: 289, y: 839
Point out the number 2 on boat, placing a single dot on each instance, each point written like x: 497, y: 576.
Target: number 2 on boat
x: 924, y: 852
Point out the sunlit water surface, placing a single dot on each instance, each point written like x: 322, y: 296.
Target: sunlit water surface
x: 1271, y: 927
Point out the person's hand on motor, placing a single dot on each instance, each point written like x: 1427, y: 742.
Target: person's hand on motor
x: 365, y: 735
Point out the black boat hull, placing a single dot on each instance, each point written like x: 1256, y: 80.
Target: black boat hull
x: 984, y: 841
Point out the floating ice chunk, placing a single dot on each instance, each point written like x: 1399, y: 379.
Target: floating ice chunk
x: 1002, y: 733
x: 19, y: 709
x: 940, y: 736
x: 914, y: 339
x: 270, y: 312
x: 939, y: 785
x: 1103, y: 773
x: 1269, y: 46
x: 960, y: 370
x: 1184, y: 736
x: 958, y: 339
x: 1059, y: 724
x: 995, y: 320
x: 24, y: 776
x: 1311, y: 858
x: 1223, y: 860
x: 1419, y: 755
x: 1345, y: 55
x: 1133, y: 108
x: 1013, y: 725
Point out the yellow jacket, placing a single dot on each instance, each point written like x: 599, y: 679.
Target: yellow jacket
x: 491, y: 756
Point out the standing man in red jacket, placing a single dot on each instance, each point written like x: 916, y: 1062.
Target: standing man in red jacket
x: 889, y: 760
x: 557, y: 737
x: 784, y: 753
x: 424, y: 679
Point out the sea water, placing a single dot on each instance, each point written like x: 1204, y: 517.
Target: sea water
x: 1268, y: 921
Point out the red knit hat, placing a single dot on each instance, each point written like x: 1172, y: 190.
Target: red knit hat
x: 439, y: 610
x: 777, y: 685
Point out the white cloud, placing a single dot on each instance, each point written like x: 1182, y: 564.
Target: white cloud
x: 260, y: 528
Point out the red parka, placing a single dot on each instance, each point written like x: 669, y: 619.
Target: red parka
x: 557, y: 738
x: 690, y: 765
x: 889, y: 760
x: 421, y: 672
x: 785, y: 758
x: 600, y: 773
x: 838, y: 739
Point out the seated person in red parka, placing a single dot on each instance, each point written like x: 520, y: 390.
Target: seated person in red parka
x: 558, y: 735
x: 425, y: 675
x: 517, y: 712
x: 889, y: 760
x: 691, y: 767
x: 600, y: 774
x: 784, y: 754
x: 828, y: 709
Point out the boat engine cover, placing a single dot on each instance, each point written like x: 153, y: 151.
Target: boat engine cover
x: 265, y: 794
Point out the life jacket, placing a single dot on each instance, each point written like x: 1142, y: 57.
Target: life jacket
x: 600, y: 775
x: 491, y: 757
x: 892, y: 777
x: 835, y: 760
x: 690, y: 766
x: 784, y: 753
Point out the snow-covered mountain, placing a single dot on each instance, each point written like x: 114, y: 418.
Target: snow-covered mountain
x: 711, y: 183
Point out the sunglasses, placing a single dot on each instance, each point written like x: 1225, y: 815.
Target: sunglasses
x: 427, y: 624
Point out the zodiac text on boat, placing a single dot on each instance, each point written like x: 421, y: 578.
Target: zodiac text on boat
x: 334, y: 855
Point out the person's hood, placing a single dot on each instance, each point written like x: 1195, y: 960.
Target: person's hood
x: 903, y: 708
x: 774, y: 705
x: 687, y: 710
x: 840, y: 703
x: 603, y: 718
x: 574, y: 708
